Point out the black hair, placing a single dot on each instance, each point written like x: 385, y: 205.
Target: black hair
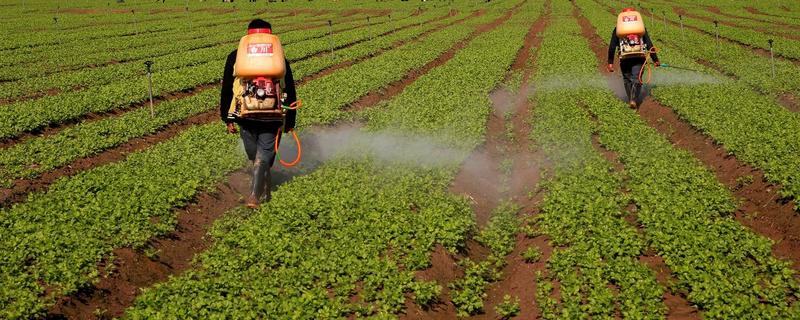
x: 259, y: 24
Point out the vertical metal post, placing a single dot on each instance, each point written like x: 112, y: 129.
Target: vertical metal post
x: 716, y: 28
x: 135, y: 21
x: 330, y: 36
x: 149, y: 64
x: 369, y: 28
x: 680, y: 17
x: 665, y: 20
x: 772, y: 58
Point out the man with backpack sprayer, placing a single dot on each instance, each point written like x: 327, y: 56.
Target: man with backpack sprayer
x: 258, y: 94
x: 635, y: 52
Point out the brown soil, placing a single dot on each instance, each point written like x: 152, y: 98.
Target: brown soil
x: 789, y: 101
x: 761, y: 208
x: 135, y: 270
x: 677, y: 305
x: 37, y: 95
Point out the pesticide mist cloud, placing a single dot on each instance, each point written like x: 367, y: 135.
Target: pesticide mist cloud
x: 323, y: 144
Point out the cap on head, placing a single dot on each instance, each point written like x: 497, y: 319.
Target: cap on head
x: 259, y: 26
x: 628, y: 9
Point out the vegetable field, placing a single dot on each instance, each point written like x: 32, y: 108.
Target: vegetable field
x: 461, y: 160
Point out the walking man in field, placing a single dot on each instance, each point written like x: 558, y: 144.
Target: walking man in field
x: 258, y: 134
x: 631, y: 40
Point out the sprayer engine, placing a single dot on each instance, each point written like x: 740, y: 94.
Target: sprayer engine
x: 261, y: 97
x: 632, y: 46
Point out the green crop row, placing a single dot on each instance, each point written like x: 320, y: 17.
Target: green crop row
x: 73, y: 51
x: 582, y: 211
x: 306, y: 43
x: 755, y: 129
x: 721, y: 266
x: 33, y: 114
x: 739, y: 13
x: 498, y: 236
x: 785, y: 47
x: 357, y: 51
x: 337, y: 254
x: 138, y: 190
x: 52, y: 243
x: 765, y: 27
x: 725, y: 269
x: 81, y: 58
x: 126, y: 25
x: 99, y: 75
x: 35, y: 156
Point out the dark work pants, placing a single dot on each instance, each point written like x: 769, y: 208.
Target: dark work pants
x: 259, y: 140
x: 630, y: 76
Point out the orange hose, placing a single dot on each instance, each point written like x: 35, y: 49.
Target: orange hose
x: 299, y: 149
x: 295, y: 105
x: 648, y: 65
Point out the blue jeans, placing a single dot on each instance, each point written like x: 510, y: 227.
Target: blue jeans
x: 259, y: 140
x: 630, y: 76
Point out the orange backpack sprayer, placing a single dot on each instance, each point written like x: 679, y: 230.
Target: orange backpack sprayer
x: 258, y: 85
x: 630, y: 31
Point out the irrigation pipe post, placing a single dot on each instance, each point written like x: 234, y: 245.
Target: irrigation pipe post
x: 369, y: 29
x: 680, y: 17
x: 149, y: 64
x: 716, y: 28
x: 665, y: 20
x: 135, y: 21
x: 772, y: 58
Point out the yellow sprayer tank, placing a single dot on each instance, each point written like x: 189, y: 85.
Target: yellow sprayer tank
x: 630, y: 22
x: 260, y: 54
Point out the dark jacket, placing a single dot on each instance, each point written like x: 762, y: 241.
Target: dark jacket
x: 226, y: 95
x: 612, y: 47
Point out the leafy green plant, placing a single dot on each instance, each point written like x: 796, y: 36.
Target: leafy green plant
x: 532, y: 254
x: 508, y: 308
x: 426, y: 293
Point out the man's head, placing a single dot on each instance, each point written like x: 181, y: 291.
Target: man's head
x: 628, y: 10
x: 259, y: 24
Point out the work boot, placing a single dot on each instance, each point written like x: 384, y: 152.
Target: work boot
x: 633, y: 104
x: 257, y: 188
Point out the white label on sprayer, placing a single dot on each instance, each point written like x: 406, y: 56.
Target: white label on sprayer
x: 630, y: 18
x: 259, y: 49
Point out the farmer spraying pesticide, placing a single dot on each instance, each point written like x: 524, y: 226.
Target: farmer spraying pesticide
x: 258, y: 94
x: 636, y: 50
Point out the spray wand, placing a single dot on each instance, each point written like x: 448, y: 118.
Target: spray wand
x: 664, y: 65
